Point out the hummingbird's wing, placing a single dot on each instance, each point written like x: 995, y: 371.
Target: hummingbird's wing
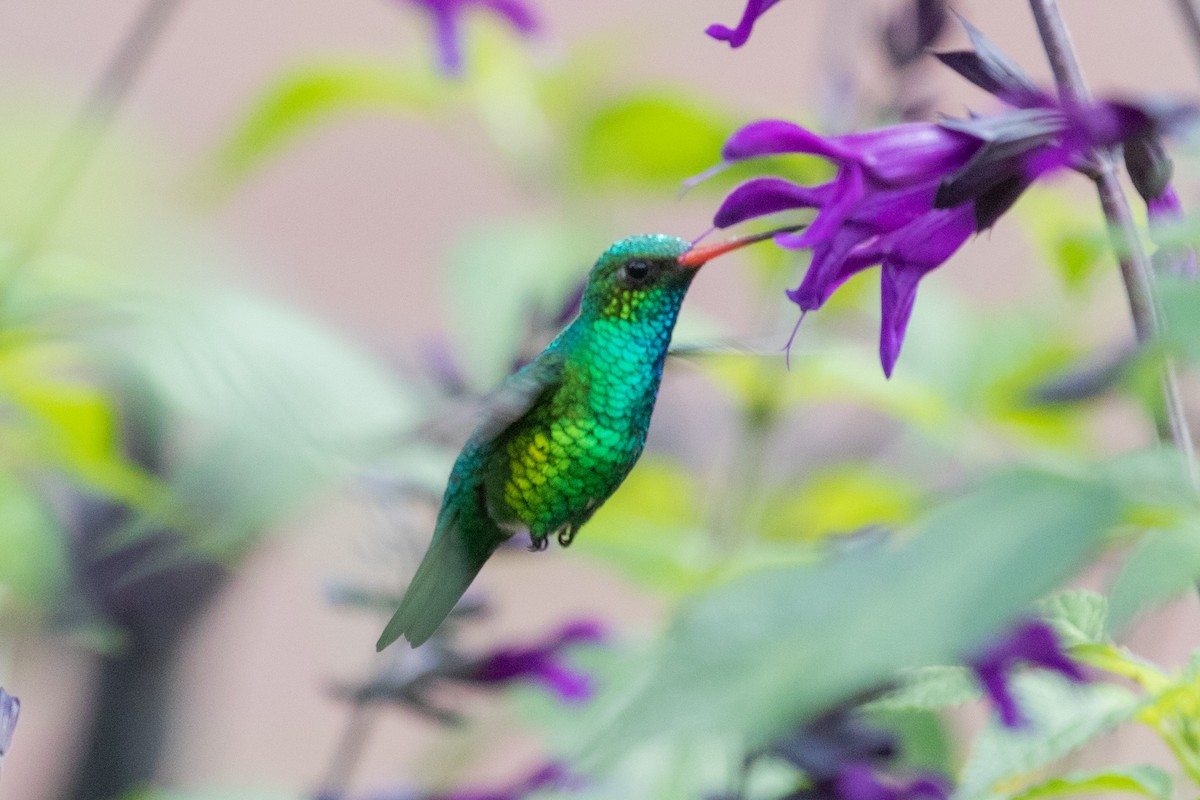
x: 518, y: 394
x: 466, y: 534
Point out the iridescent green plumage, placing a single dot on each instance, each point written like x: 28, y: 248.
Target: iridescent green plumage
x: 562, y: 433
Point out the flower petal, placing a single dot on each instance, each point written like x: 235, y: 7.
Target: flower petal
x: 1033, y: 641
x: 10, y: 710
x: 739, y: 35
x: 912, y: 252
x: 762, y: 196
x: 912, y: 151
x: 990, y: 68
x: 768, y: 137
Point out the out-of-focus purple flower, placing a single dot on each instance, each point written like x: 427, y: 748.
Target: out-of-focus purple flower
x: 860, y: 782
x: 1031, y: 641
x: 908, y: 196
x: 10, y: 709
x: 543, y: 663
x: 843, y: 758
x: 1164, y: 211
x: 1151, y: 170
x: 549, y: 776
x: 738, y: 36
x: 447, y: 22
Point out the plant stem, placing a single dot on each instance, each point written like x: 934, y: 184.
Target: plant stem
x: 1136, y: 270
x: 1191, y: 20
x: 71, y: 156
x: 349, y: 750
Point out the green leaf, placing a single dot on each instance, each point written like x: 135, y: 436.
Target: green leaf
x: 275, y: 405
x: 1065, y: 235
x: 33, y: 561
x: 1063, y: 716
x: 925, y: 744
x: 801, y: 639
x: 1142, y: 779
x: 1163, y: 565
x: 1078, y: 616
x: 210, y: 794
x: 308, y: 95
x: 651, y: 139
x: 931, y: 688
x: 1180, y: 301
x: 842, y: 499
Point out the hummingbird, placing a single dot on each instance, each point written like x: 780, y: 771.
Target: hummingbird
x: 561, y: 434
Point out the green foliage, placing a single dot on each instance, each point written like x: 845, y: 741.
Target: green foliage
x: 210, y: 794
x: 842, y: 499
x: 1162, y: 565
x: 307, y: 95
x: 1078, y: 616
x: 929, y: 688
x: 650, y: 139
x: 850, y: 624
x: 1142, y: 779
x: 925, y: 743
x: 33, y: 567
x: 276, y: 406
x: 1063, y: 717
x: 1066, y: 232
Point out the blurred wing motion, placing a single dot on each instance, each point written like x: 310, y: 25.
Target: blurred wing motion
x: 466, y: 535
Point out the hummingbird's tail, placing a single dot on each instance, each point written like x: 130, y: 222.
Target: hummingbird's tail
x: 462, y: 543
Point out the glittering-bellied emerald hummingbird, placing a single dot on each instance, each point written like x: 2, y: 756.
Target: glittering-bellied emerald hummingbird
x: 560, y: 434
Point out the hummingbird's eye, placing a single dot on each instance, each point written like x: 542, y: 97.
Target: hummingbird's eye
x: 636, y: 270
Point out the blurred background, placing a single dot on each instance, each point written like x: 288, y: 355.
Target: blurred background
x: 241, y: 350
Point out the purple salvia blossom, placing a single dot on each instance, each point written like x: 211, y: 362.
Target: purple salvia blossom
x: 10, y: 710
x: 736, y: 37
x: 1165, y: 211
x: 906, y: 197
x: 1031, y: 641
x: 550, y: 776
x: 542, y: 663
x: 859, y: 782
x: 845, y: 758
x: 1151, y: 171
x: 447, y: 23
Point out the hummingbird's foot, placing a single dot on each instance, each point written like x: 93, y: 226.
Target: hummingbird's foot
x: 567, y: 535
x: 537, y: 543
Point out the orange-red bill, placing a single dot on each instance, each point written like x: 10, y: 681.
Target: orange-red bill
x: 703, y: 253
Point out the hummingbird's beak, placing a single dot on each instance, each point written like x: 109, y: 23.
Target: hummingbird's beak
x: 702, y: 254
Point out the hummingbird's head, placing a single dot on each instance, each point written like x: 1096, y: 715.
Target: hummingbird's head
x: 645, y: 277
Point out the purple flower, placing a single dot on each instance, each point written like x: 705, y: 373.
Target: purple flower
x: 906, y: 197
x: 1164, y: 211
x: 550, y: 776
x: 542, y: 663
x: 1032, y: 641
x: 10, y: 709
x: 738, y: 36
x: 843, y: 758
x: 859, y: 782
x: 447, y: 24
